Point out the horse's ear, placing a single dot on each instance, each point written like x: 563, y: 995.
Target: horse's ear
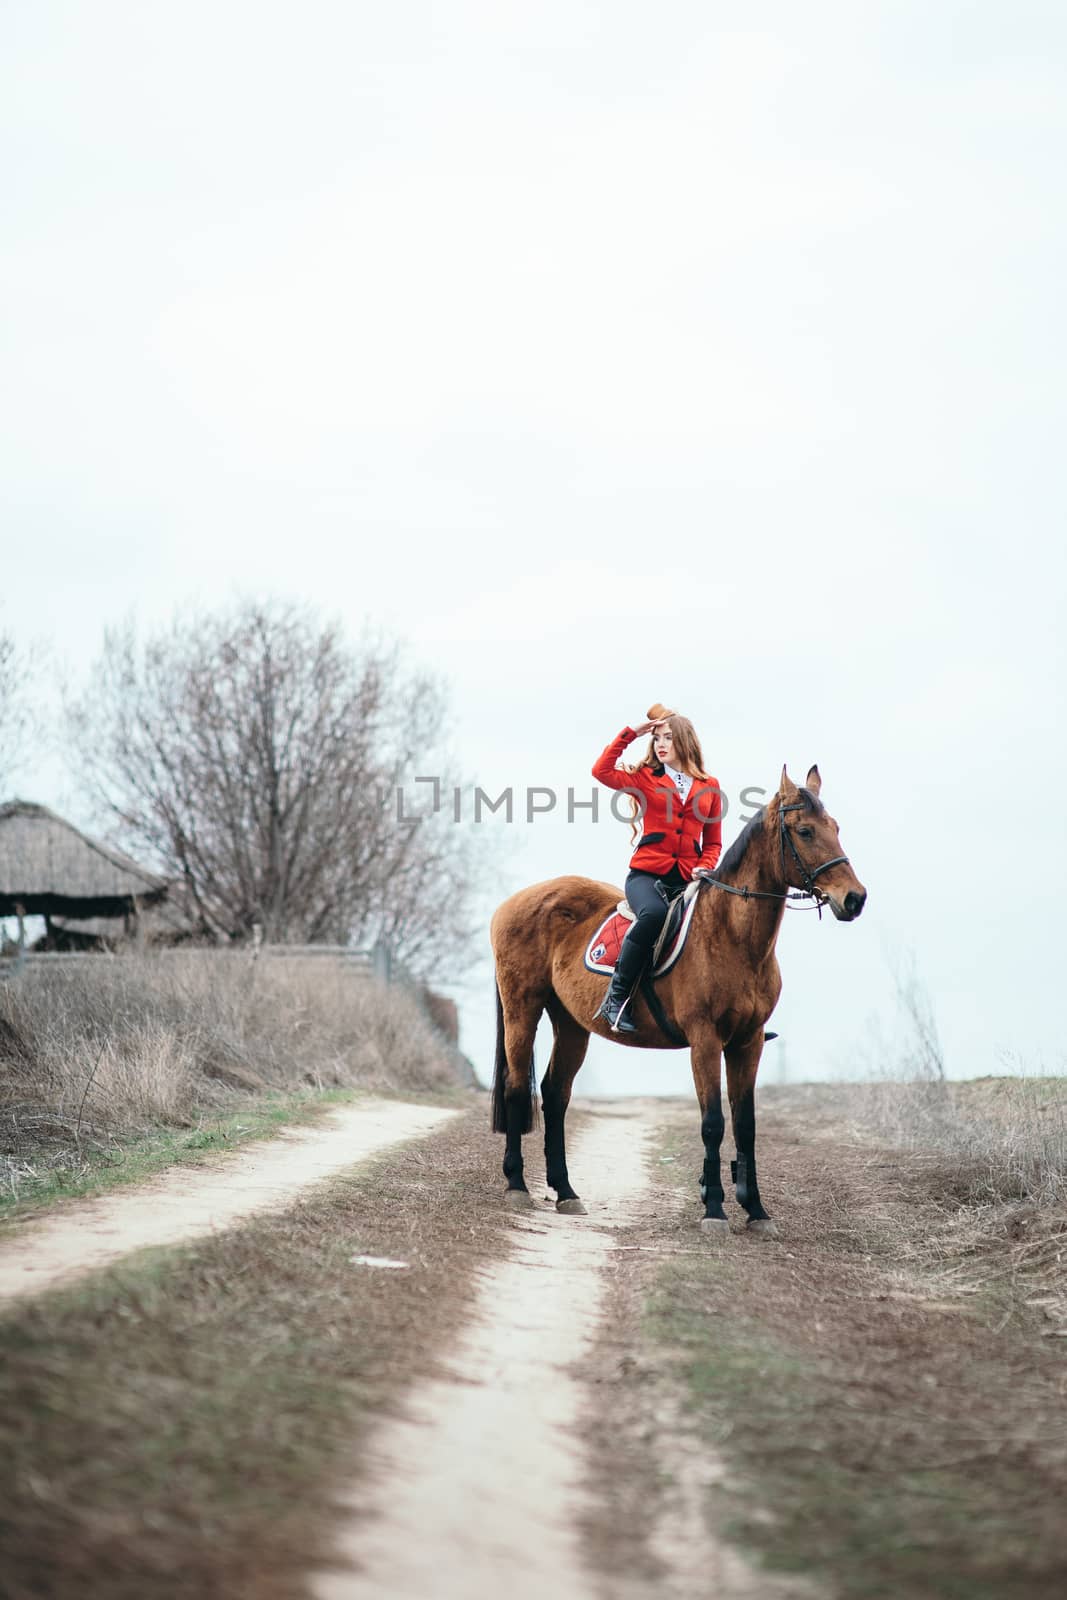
x: 813, y: 781
x: 787, y: 789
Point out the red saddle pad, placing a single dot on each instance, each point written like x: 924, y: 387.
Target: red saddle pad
x: 602, y: 951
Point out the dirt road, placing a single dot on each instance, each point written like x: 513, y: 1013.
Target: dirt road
x: 183, y: 1204
x: 489, y: 1452
x: 483, y: 1485
x: 862, y: 1402
x: 609, y: 1407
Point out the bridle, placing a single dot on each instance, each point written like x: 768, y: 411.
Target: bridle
x: 808, y: 874
x: 809, y: 892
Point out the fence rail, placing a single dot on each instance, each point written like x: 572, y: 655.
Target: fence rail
x: 377, y: 961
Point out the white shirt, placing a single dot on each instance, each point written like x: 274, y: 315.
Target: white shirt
x: 683, y: 781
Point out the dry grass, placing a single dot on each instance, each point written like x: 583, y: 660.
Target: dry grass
x: 997, y: 1138
x: 992, y: 1151
x: 992, y: 1154
x: 838, y: 1402
x: 99, y: 1051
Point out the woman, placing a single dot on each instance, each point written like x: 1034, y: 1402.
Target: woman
x: 680, y: 807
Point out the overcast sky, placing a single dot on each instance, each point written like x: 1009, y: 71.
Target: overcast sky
x: 607, y: 353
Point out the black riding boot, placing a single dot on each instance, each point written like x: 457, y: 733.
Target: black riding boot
x: 628, y: 969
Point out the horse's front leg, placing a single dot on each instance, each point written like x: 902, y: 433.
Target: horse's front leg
x: 742, y: 1065
x: 706, y: 1054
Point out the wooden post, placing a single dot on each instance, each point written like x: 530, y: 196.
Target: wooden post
x: 20, y: 959
x: 382, y: 961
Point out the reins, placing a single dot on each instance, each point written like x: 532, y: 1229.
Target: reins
x: 808, y: 874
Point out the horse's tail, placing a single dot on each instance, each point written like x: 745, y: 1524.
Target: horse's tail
x: 500, y: 1070
x: 500, y: 1081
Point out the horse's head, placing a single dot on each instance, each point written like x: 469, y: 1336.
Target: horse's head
x: 811, y: 853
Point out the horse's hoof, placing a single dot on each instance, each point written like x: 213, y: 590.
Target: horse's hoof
x: 763, y: 1226
x: 518, y: 1199
x: 717, y: 1227
x: 571, y: 1208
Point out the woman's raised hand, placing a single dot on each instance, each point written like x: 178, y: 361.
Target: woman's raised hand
x: 646, y: 727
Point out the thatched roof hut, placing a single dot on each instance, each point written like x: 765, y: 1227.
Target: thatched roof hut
x: 169, y: 922
x: 50, y: 869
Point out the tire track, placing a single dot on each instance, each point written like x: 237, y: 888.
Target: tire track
x: 184, y: 1203
x: 478, y: 1488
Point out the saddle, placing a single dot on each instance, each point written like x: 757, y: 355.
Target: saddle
x: 602, y: 951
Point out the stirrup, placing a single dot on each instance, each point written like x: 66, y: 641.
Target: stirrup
x: 622, y: 1023
x: 613, y: 1015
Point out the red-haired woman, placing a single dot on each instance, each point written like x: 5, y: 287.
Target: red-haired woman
x: 680, y: 808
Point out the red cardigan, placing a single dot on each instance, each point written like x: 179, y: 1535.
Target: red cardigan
x: 686, y: 834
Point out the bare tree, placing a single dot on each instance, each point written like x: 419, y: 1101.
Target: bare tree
x: 16, y: 710
x: 255, y: 755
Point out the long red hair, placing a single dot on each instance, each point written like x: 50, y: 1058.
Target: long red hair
x: 688, y: 757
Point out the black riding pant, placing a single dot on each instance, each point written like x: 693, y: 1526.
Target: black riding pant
x: 650, y: 896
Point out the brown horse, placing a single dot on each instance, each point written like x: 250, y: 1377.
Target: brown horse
x: 716, y: 998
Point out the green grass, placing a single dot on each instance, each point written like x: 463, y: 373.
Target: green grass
x: 100, y: 1169
x: 133, y: 1159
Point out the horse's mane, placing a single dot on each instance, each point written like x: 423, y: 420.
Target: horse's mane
x: 736, y: 853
